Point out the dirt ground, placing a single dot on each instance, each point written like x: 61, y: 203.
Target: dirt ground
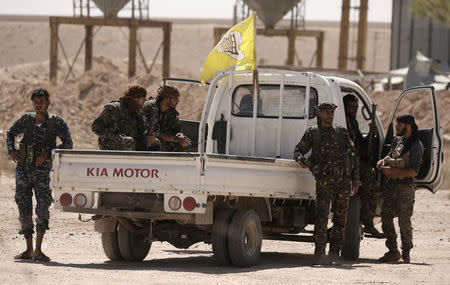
x: 77, y: 255
x: 75, y: 249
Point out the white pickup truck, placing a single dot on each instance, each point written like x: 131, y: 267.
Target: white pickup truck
x: 240, y: 185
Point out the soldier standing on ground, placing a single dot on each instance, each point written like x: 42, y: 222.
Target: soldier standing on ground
x: 163, y: 126
x: 399, y: 169
x: 335, y: 168
x: 39, y: 130
x: 119, y: 126
x: 369, y: 186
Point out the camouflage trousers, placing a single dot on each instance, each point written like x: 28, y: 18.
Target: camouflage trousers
x: 336, y: 192
x: 27, y: 179
x: 111, y: 144
x: 398, y: 202
x: 367, y: 192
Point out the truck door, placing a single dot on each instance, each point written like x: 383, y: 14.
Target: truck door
x: 421, y: 102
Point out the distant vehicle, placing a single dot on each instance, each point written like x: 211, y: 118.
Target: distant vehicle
x: 240, y: 185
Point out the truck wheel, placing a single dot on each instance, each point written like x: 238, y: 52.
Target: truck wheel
x: 219, y: 236
x: 350, y: 250
x: 111, y: 245
x: 133, y: 247
x: 245, y: 238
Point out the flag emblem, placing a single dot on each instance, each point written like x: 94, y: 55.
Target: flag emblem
x: 235, y: 51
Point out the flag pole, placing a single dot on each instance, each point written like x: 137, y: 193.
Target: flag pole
x: 255, y: 91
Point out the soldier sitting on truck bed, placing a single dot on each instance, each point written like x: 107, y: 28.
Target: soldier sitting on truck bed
x: 119, y: 126
x: 162, y: 123
x: 335, y: 168
x: 369, y: 187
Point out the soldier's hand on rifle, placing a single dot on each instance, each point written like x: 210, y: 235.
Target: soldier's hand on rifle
x: 183, y: 140
x: 373, y: 129
x: 380, y: 163
x: 15, y: 155
x: 41, y: 158
x: 355, y: 187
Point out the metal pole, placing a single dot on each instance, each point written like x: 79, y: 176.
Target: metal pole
x: 230, y: 99
x: 132, y: 50
x: 362, y: 35
x: 280, y: 115
x: 307, y: 100
x: 53, y: 50
x: 166, y: 50
x: 88, y: 48
x: 344, y: 32
x: 255, y: 109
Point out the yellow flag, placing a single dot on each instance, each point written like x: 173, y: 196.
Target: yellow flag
x: 235, y: 51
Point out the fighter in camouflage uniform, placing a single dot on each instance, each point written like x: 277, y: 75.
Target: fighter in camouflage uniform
x: 163, y: 126
x: 399, y: 169
x: 369, y: 186
x: 120, y: 126
x: 334, y: 165
x: 39, y: 130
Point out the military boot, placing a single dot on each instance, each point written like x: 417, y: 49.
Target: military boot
x: 405, y: 256
x: 334, y: 258
x: 390, y: 256
x: 321, y: 259
x: 373, y: 232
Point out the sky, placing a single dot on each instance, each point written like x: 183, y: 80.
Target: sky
x: 379, y: 10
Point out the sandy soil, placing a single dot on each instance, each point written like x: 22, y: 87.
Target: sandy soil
x: 77, y: 255
x: 75, y: 249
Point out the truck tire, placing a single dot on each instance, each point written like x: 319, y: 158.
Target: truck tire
x: 220, y: 236
x: 350, y: 250
x: 245, y: 238
x: 111, y: 245
x: 133, y: 247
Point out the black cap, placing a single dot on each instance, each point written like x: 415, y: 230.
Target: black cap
x: 407, y: 118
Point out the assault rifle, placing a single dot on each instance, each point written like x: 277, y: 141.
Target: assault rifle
x: 371, y: 143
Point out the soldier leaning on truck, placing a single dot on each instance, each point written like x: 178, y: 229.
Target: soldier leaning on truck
x: 369, y: 186
x: 163, y: 126
x: 120, y: 126
x: 399, y: 169
x: 33, y: 159
x: 334, y: 166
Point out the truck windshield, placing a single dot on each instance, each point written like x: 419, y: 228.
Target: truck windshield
x: 269, y: 101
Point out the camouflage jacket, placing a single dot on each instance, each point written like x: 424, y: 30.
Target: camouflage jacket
x: 331, y: 156
x: 158, y: 122
x: 21, y: 126
x: 115, y: 121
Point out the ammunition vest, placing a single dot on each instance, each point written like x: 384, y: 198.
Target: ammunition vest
x: 397, y: 160
x: 347, y: 155
x: 27, y: 144
x: 127, y: 124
